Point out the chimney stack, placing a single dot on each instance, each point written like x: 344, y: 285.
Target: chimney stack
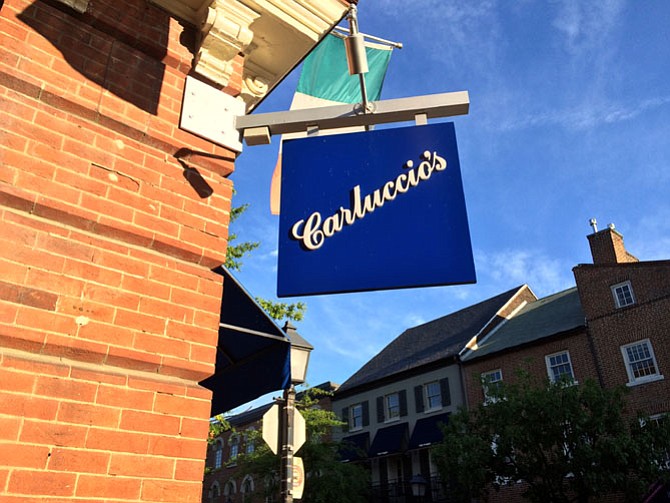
x: 607, y: 246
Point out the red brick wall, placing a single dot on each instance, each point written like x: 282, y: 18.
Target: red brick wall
x: 530, y: 358
x: 108, y: 305
x: 646, y: 319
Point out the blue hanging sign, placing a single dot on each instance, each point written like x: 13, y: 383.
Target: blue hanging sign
x: 373, y: 210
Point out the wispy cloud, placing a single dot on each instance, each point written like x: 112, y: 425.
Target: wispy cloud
x: 586, y: 26
x: 458, y: 21
x: 649, y: 239
x: 509, y: 268
x: 582, y: 117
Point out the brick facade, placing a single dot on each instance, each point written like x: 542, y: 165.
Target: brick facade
x: 112, y: 219
x: 532, y: 359
x: 596, y: 349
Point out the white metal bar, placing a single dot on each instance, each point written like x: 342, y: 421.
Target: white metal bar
x: 340, y: 116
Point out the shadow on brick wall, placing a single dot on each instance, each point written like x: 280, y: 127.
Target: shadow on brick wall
x: 118, y: 45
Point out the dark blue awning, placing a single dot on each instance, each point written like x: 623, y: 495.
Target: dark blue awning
x: 427, y: 431
x: 253, y: 353
x: 389, y: 440
x: 354, y: 447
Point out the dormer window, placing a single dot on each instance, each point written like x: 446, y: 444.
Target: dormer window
x: 623, y: 294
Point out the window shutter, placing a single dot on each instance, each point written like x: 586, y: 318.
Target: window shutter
x: 402, y: 395
x: 345, y: 418
x: 445, y: 391
x: 366, y: 413
x: 418, y: 398
x: 380, y: 409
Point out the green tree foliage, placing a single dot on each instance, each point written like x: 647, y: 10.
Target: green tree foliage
x: 283, y: 310
x: 567, y: 442
x: 328, y: 479
x: 236, y: 251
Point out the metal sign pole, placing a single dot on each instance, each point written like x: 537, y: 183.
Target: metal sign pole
x: 287, y: 446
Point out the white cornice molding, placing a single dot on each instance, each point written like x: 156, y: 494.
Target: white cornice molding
x: 273, y: 36
x: 225, y: 33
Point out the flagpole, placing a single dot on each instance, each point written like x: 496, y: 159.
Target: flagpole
x: 342, y: 32
x: 356, y: 56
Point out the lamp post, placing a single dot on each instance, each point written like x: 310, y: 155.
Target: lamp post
x: 418, y: 484
x: 300, y: 350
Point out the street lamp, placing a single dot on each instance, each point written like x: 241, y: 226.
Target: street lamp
x: 418, y: 484
x: 300, y: 350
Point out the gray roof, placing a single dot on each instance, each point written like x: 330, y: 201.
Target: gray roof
x: 552, y: 315
x: 428, y: 343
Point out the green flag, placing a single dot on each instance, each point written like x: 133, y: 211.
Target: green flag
x: 325, y: 81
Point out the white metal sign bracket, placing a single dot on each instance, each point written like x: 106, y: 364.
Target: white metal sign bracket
x: 220, y: 118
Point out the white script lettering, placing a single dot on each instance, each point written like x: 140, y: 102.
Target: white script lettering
x: 313, y: 231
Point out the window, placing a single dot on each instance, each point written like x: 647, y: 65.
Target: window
x: 356, y: 416
x: 234, y: 447
x: 391, y: 407
x: 559, y: 367
x: 640, y: 362
x: 250, y: 447
x: 247, y: 485
x: 490, y: 382
x: 433, y: 395
x: 623, y: 294
x: 218, y: 454
x: 214, y: 492
x: 230, y: 488
x: 392, y: 402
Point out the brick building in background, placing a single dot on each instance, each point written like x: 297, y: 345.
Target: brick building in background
x: 113, y: 219
x: 224, y: 481
x: 612, y: 328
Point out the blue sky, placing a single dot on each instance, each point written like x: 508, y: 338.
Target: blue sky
x: 569, y: 120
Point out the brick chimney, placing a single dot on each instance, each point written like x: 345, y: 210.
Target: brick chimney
x: 607, y: 246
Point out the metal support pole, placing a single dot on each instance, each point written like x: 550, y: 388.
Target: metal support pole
x: 287, y: 446
x: 356, y: 51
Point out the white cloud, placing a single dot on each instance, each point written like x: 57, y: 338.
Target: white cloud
x: 509, y: 268
x: 586, y: 26
x: 466, y: 29
x: 582, y: 117
x: 649, y: 238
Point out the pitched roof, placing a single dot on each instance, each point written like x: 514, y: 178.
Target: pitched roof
x: 552, y: 315
x: 428, y: 343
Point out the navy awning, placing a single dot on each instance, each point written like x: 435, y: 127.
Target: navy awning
x: 252, y: 356
x: 354, y: 447
x: 427, y: 431
x: 389, y: 440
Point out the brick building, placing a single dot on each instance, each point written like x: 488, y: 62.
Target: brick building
x: 224, y: 482
x: 113, y: 221
x: 627, y: 308
x: 394, y: 404
x: 612, y: 328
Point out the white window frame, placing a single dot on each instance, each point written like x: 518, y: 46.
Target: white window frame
x: 353, y: 416
x: 247, y: 486
x: 249, y: 445
x: 387, y: 408
x: 550, y: 367
x: 486, y: 382
x: 623, y: 287
x: 230, y: 488
x: 427, y: 396
x: 234, y: 443
x: 632, y: 379
x: 218, y: 454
